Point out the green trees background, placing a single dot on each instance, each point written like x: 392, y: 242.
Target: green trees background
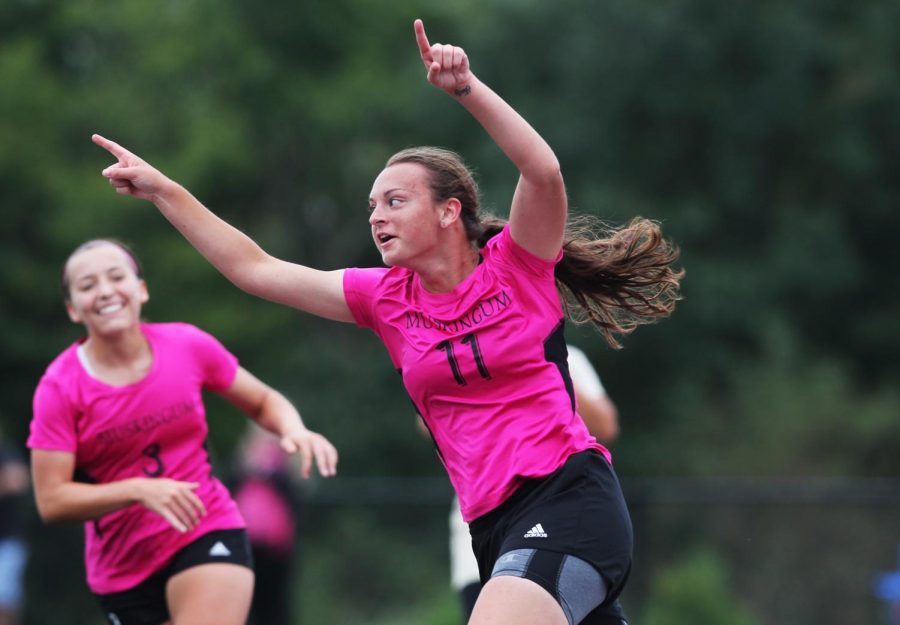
x: 764, y: 135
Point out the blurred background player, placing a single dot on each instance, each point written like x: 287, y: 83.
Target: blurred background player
x: 266, y: 494
x: 595, y: 406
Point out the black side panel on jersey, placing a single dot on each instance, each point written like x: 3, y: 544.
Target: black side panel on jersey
x: 555, y: 351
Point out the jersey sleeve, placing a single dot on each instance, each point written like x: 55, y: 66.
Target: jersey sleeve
x: 360, y: 291
x: 509, y: 253
x: 53, y: 420
x: 219, y: 365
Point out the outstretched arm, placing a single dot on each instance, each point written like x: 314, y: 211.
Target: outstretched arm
x: 273, y: 412
x: 231, y: 251
x: 538, y: 213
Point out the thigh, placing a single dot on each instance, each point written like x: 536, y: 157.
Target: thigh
x: 573, y: 583
x: 210, y: 581
x: 516, y: 601
x: 210, y: 594
x: 570, y: 534
x: 150, y: 603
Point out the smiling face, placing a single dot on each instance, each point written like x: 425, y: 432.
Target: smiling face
x: 406, y: 221
x: 104, y: 290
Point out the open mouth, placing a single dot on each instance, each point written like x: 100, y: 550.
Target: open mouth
x: 384, y: 238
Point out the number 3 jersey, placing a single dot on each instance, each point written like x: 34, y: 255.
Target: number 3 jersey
x: 485, y: 366
x: 153, y: 428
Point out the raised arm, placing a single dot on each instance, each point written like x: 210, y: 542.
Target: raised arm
x: 231, y: 251
x: 538, y: 213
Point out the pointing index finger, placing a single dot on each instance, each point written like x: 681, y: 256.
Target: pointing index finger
x: 422, y: 40
x: 111, y: 146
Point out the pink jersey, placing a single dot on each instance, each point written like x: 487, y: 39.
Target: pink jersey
x: 155, y: 427
x: 485, y: 366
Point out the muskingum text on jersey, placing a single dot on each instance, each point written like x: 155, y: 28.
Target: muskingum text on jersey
x: 480, y: 312
x: 145, y: 423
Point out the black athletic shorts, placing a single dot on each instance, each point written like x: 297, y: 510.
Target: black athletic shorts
x: 579, y: 511
x: 145, y: 604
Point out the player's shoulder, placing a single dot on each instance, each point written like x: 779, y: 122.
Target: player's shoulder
x: 60, y: 380
x: 388, y: 275
x: 172, y: 329
x: 502, y: 250
x: 61, y: 366
x: 382, y: 279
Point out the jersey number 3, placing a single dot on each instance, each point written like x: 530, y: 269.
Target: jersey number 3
x: 152, y: 452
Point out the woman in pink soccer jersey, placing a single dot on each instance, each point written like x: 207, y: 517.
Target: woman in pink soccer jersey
x: 471, y: 316
x: 118, y: 441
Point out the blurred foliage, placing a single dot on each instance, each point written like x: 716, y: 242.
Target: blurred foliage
x: 695, y: 591
x: 762, y: 134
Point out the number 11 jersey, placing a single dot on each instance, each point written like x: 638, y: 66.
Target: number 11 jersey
x: 485, y: 366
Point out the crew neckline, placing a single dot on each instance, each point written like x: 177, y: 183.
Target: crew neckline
x: 88, y: 369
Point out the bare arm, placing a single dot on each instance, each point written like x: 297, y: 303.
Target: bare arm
x: 231, y: 251
x: 60, y: 498
x: 539, y: 207
x: 600, y: 415
x: 272, y: 411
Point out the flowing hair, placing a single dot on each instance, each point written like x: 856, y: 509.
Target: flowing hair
x: 615, y: 279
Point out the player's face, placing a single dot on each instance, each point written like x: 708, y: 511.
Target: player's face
x: 404, y: 218
x: 105, y: 293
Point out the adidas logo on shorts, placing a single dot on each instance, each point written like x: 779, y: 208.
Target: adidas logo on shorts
x: 219, y: 549
x: 536, y: 532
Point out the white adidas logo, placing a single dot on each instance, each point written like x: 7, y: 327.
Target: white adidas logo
x: 219, y: 549
x: 536, y: 532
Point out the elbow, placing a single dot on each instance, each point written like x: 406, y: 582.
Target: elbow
x: 251, y: 275
x: 611, y: 434
x: 552, y: 171
x: 51, y: 509
x: 542, y: 165
x: 545, y: 173
x: 49, y: 513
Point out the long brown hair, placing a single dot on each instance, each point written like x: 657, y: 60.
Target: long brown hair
x: 613, y: 278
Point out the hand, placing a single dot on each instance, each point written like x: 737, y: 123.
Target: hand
x: 310, y: 445
x: 175, y: 501
x: 131, y: 175
x: 448, y: 66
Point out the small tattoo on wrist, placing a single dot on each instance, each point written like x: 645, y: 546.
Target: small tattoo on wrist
x: 463, y: 91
